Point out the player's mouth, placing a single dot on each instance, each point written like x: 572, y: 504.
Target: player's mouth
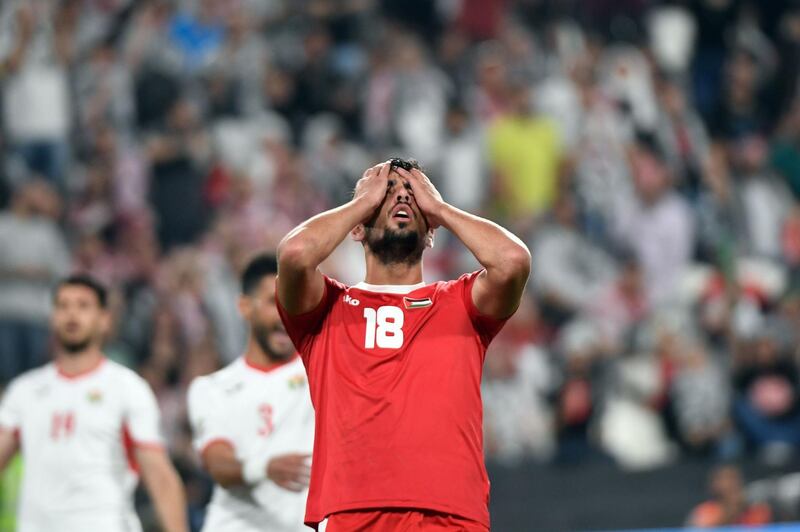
x: 281, y: 340
x: 279, y: 333
x: 402, y: 213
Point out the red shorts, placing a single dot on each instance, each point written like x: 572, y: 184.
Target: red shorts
x: 399, y: 520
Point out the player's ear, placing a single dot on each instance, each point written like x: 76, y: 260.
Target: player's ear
x: 245, y: 306
x: 359, y: 233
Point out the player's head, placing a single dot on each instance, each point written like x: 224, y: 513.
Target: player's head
x: 726, y: 482
x: 258, y: 307
x: 80, y: 313
x: 398, y: 232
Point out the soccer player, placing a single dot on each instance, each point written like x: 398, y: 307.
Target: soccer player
x: 85, y: 426
x: 253, y: 421
x: 394, y: 365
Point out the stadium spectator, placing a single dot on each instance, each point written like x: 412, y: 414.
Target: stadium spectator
x: 657, y: 226
x: 714, y: 20
x: 104, y: 89
x: 598, y: 131
x: 632, y: 430
x: 738, y: 112
x: 785, y: 152
x: 178, y: 155
x: 728, y: 504
x: 619, y: 305
x: 463, y: 168
x: 570, y: 269
x: 33, y: 254
x: 683, y: 139
x: 700, y: 395
x: 765, y: 200
x: 519, y: 380
x: 526, y: 181
x: 767, y: 401
x: 197, y: 34
x: 36, y: 51
x: 580, y: 350
x: 487, y: 98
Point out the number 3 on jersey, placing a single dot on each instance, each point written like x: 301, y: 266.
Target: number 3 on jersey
x: 265, y: 411
x: 384, y: 327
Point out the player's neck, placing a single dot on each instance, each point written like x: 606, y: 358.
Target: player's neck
x: 255, y: 357
x: 379, y: 273
x: 77, y: 364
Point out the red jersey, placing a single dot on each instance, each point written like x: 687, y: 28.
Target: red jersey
x: 394, y: 374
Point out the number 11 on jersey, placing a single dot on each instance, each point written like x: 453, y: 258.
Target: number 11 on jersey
x: 61, y: 425
x: 384, y: 327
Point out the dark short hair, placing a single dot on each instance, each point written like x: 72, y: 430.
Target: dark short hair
x: 648, y: 143
x: 259, y: 267
x: 87, y: 281
x: 405, y: 164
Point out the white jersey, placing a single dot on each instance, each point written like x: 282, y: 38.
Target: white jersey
x: 77, y: 435
x: 259, y: 413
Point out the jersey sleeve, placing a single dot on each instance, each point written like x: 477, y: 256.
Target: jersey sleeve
x: 487, y: 327
x: 11, y: 408
x: 302, y: 328
x: 206, y: 416
x: 142, y: 418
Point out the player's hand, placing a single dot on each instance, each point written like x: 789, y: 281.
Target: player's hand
x: 428, y: 199
x: 373, y: 187
x: 290, y: 471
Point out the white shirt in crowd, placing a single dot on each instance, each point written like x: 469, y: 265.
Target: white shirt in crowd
x: 30, y: 243
x: 77, y: 435
x: 260, y: 413
x: 662, y: 237
x: 36, y: 103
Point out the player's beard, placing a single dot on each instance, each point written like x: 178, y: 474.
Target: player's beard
x: 73, y: 347
x: 262, y: 335
x: 395, y: 247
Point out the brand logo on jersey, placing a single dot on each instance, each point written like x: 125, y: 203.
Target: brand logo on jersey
x: 351, y: 301
x: 230, y: 390
x: 95, y: 396
x: 297, y: 381
x: 412, y: 303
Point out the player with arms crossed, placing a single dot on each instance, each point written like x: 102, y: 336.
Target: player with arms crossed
x: 85, y: 425
x: 253, y: 422
x: 394, y: 365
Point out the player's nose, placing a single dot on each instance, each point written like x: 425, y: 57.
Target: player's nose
x: 403, y: 192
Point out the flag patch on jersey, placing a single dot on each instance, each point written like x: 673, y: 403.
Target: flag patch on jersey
x: 412, y: 303
x: 95, y: 396
x: 298, y: 381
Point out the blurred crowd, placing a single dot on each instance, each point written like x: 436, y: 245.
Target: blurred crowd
x: 647, y: 151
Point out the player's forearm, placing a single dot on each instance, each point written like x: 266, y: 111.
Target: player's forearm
x: 310, y: 243
x: 504, y: 256
x: 9, y: 445
x: 165, y: 488
x: 225, y: 469
x: 166, y: 492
